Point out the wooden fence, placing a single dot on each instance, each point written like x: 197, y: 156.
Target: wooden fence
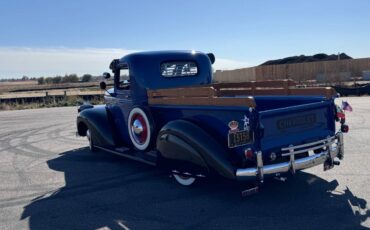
x: 322, y: 72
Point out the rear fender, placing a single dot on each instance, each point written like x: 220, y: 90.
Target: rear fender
x: 183, y: 141
x: 96, y: 119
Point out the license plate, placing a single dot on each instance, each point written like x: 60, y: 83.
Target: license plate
x: 239, y: 138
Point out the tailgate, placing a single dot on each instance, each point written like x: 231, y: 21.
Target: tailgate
x: 296, y: 125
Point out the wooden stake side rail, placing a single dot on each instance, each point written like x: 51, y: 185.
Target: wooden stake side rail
x: 256, y: 84
x: 217, y: 101
x: 327, y: 92
x: 224, y: 94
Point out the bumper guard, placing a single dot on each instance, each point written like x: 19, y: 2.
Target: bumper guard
x: 331, y: 147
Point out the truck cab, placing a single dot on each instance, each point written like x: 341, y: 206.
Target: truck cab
x: 165, y: 110
x: 134, y: 74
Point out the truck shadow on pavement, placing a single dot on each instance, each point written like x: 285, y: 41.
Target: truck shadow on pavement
x: 103, y: 190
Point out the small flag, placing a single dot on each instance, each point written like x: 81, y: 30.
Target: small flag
x: 346, y: 106
x: 340, y: 113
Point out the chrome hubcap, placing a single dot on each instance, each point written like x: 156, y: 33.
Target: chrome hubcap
x: 137, y: 127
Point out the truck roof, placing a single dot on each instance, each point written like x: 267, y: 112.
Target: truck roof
x: 146, y: 69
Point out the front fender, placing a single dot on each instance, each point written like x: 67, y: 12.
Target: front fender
x: 97, y: 120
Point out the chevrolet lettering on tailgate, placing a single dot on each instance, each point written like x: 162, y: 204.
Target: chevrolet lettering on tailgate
x: 296, y: 121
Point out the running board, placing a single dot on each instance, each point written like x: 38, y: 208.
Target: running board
x: 131, y: 155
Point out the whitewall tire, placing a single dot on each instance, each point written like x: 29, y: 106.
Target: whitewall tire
x: 91, y: 143
x: 184, y: 180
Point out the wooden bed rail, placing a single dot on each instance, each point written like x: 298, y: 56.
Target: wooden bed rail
x: 196, y: 96
x: 255, y: 84
x: 231, y: 94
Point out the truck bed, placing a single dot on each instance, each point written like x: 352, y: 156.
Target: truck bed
x: 286, y: 115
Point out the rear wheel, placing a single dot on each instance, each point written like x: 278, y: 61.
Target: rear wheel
x: 184, y: 180
x: 89, y: 138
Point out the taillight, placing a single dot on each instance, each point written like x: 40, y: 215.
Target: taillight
x: 248, y: 153
x: 344, y: 128
x: 340, y: 116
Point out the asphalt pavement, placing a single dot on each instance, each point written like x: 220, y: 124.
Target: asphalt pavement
x: 50, y: 180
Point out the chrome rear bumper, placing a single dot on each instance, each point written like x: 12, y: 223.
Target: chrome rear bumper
x: 331, y: 147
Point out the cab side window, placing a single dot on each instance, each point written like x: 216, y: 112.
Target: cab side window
x: 123, y: 81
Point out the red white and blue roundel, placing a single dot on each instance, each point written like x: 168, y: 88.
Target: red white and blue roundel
x: 139, y: 129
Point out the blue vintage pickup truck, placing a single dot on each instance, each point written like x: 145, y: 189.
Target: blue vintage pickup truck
x: 164, y: 110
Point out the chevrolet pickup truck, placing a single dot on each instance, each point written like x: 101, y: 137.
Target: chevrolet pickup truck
x: 164, y: 110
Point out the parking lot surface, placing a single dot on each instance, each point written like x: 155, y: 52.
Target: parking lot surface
x: 50, y: 180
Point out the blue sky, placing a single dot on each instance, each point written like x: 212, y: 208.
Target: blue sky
x: 46, y: 37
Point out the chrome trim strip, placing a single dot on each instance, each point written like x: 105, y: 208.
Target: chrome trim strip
x: 308, y: 144
x: 340, y: 146
x: 260, y: 165
x: 292, y: 161
x: 304, y: 150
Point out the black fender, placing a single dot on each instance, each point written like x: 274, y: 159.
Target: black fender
x: 84, y: 106
x: 96, y: 119
x: 186, y: 142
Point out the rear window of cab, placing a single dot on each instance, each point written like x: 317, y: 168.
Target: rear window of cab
x: 179, y: 69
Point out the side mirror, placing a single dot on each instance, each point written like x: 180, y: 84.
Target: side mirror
x: 103, y: 85
x: 106, y: 75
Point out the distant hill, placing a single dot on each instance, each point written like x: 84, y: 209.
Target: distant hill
x: 304, y: 58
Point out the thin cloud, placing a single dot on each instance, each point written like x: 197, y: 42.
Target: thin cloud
x: 34, y: 62
x: 16, y: 62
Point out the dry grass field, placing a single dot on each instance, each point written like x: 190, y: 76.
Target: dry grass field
x: 29, y: 94
x: 11, y: 83
x: 20, y: 86
x: 56, y: 92
x: 9, y: 86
